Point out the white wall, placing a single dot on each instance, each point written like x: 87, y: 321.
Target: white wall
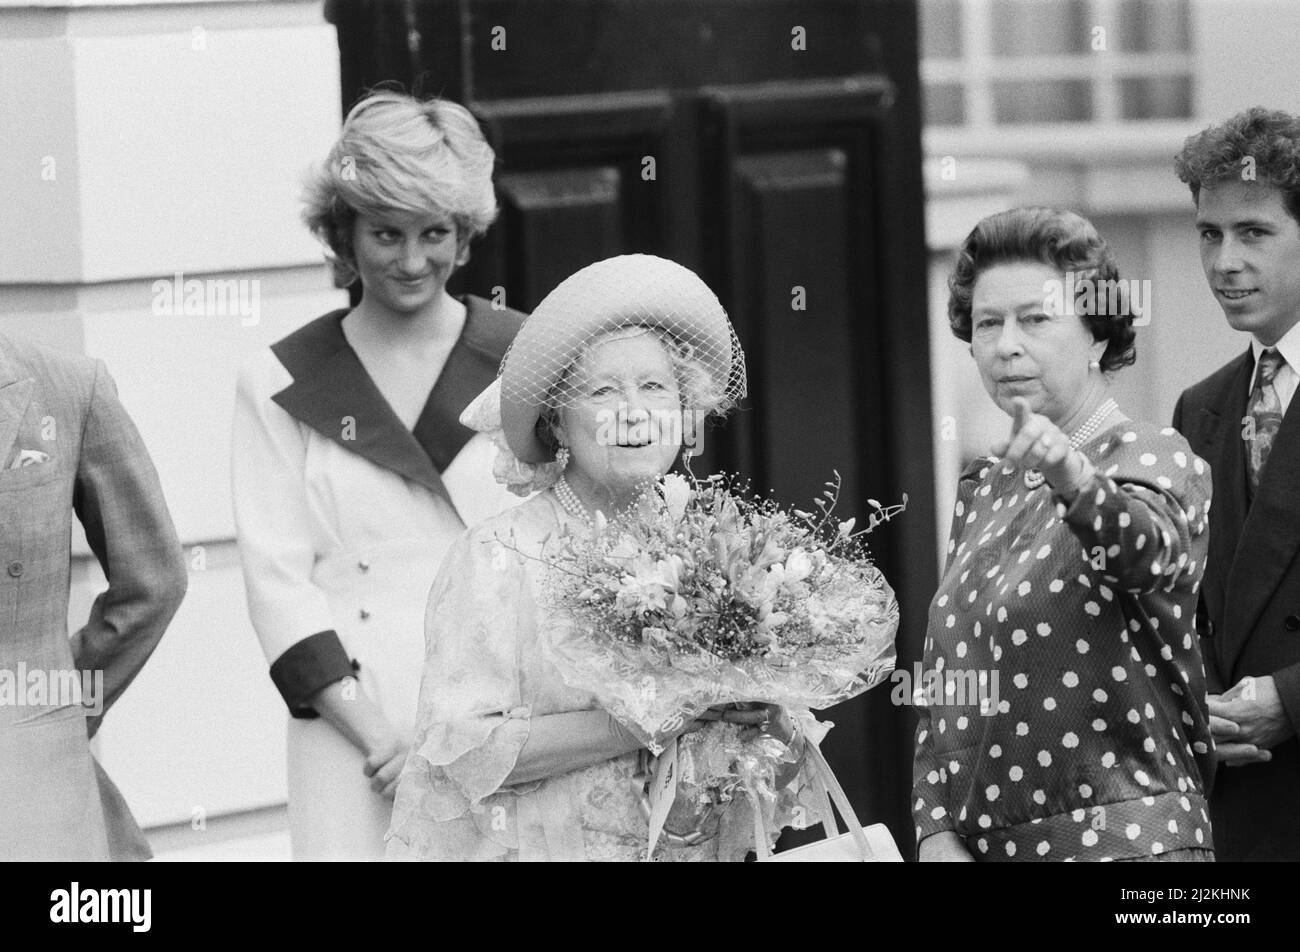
x: 177, y: 134
x: 1246, y: 56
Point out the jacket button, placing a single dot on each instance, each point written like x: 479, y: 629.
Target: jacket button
x: 15, y: 569
x: 364, y: 614
x: 363, y: 565
x: 1292, y: 623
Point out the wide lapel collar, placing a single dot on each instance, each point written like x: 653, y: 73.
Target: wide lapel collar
x: 1224, y: 451
x: 471, y: 367
x: 15, y: 396
x: 1270, y: 535
x: 334, y: 395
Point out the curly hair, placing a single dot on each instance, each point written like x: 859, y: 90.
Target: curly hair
x: 696, y: 386
x: 1261, y: 145
x: 1054, y: 237
x: 397, y: 153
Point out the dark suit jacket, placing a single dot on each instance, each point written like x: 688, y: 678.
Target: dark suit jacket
x: 1250, y: 603
x: 62, y: 411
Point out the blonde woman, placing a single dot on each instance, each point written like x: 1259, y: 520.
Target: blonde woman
x: 352, y: 474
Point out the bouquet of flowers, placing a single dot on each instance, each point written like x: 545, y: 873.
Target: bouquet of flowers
x: 703, y: 596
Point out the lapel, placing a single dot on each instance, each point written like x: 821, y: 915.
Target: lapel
x: 331, y: 384
x: 471, y: 367
x: 331, y: 389
x: 1270, y: 535
x: 15, y: 395
x: 1223, y: 450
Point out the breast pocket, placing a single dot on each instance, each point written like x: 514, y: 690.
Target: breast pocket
x: 34, y: 504
x: 29, y: 477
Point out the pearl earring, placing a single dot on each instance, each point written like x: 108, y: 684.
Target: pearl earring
x: 1095, y: 365
x: 562, y: 456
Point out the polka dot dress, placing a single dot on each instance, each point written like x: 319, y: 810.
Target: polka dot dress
x: 1063, y: 714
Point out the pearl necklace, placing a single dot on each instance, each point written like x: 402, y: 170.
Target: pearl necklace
x: 569, y: 500
x: 1084, y: 433
x: 1034, y: 479
x: 575, y: 507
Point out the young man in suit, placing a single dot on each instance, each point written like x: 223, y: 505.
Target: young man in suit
x: 1245, y: 180
x: 67, y: 445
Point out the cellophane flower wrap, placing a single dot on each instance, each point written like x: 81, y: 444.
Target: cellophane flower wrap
x: 703, y: 596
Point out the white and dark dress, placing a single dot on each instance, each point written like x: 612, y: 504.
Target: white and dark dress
x: 343, y: 517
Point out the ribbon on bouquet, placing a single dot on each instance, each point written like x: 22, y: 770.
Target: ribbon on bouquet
x: 828, y: 796
x: 663, y: 793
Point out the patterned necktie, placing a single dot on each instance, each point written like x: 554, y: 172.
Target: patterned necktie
x: 1265, y: 409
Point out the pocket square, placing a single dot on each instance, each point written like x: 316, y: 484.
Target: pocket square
x: 29, y: 458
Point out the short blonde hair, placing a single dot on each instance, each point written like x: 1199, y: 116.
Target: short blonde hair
x: 397, y: 153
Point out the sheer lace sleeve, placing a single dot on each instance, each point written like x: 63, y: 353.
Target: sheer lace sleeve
x: 473, y: 720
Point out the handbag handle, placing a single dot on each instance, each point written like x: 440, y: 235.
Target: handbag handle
x: 828, y: 779
x: 828, y: 788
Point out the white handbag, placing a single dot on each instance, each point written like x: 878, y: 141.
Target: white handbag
x: 872, y: 844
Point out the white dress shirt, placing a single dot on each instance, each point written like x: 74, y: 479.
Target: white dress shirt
x: 1286, y: 378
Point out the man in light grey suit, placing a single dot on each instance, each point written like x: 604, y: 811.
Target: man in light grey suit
x: 67, y: 444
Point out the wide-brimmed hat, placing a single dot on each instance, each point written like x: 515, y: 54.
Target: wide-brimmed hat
x: 625, y: 291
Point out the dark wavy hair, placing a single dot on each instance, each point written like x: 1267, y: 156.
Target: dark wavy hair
x: 1269, y: 137
x: 1054, y: 237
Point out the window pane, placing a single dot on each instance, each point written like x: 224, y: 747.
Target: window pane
x: 944, y: 105
x: 1066, y: 100
x: 1158, y: 97
x: 940, y: 29
x: 1040, y: 27
x: 1154, y: 26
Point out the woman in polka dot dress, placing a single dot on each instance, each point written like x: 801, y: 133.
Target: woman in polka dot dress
x: 1071, y: 584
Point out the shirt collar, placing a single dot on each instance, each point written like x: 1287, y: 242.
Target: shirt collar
x: 1288, y: 347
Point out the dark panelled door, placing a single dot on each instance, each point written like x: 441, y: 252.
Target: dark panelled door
x: 773, y: 146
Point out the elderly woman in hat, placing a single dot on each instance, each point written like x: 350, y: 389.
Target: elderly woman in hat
x: 1071, y: 585
x: 511, y: 763
x: 352, y: 474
